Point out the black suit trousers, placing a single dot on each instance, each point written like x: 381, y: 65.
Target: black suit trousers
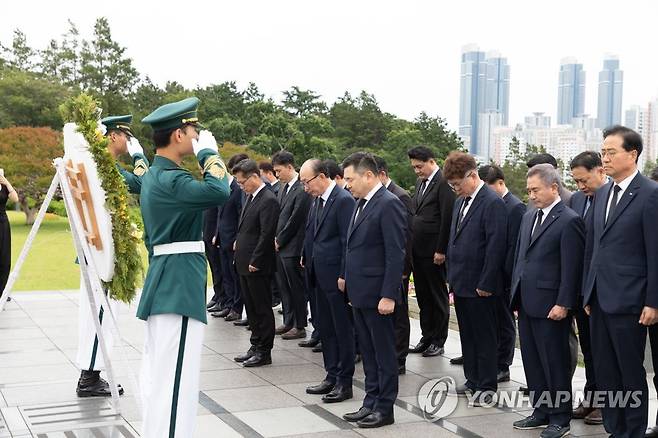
x: 402, y: 325
x: 257, y: 297
x: 214, y: 260
x: 231, y: 281
x: 479, y: 341
x: 376, y: 338
x: 618, y: 343
x: 432, y: 296
x: 547, y: 366
x: 506, y: 331
x: 289, y: 275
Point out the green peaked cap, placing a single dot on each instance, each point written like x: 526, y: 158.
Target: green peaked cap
x: 122, y: 123
x: 174, y: 115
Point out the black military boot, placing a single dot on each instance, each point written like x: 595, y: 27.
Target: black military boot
x: 90, y: 384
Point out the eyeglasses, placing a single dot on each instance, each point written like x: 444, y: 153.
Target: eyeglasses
x: 456, y: 185
x: 306, y: 183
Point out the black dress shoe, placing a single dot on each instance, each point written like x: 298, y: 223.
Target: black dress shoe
x: 376, y: 419
x: 91, y: 384
x: 257, y: 360
x: 215, y: 308
x: 463, y: 390
x: 244, y: 357
x: 530, y: 422
x: 457, y: 360
x: 317, y: 348
x: 433, y: 350
x: 309, y: 343
x: 232, y: 316
x: 420, y: 347
x: 503, y: 376
x: 652, y: 432
x: 338, y: 394
x: 219, y: 314
x: 555, y: 431
x: 324, y: 387
x: 241, y: 322
x: 210, y: 304
x: 362, y: 413
x: 402, y: 369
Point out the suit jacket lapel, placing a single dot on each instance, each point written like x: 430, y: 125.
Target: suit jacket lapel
x: 552, y: 217
x: 430, y: 185
x: 629, y: 194
x: 327, y: 205
x: 366, y: 211
x: 254, y: 200
x: 474, y: 206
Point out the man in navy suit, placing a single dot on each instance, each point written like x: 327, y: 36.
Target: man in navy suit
x: 295, y: 204
x: 621, y: 287
x: 228, y: 217
x: 374, y: 264
x: 545, y: 286
x: 401, y: 313
x: 475, y: 260
x: 588, y: 174
x: 495, y: 179
x: 324, y: 259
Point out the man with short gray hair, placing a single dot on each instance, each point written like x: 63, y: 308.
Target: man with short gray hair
x: 545, y: 286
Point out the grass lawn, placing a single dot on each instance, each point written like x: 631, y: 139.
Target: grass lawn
x: 50, y: 262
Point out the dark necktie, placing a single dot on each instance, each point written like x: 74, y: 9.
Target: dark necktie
x: 615, y: 198
x: 535, y: 230
x: 462, y: 213
x: 422, y: 188
x: 359, y: 207
x: 285, y: 193
x: 246, y: 206
x: 588, y: 202
x: 318, y: 212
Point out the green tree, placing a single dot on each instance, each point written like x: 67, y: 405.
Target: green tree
x: 22, y: 55
x: 61, y: 59
x: 300, y: 102
x: 515, y: 168
x: 359, y: 123
x: 105, y: 71
x: 26, y: 99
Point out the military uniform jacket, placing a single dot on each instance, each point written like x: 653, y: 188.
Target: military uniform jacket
x: 172, y: 204
x: 134, y: 179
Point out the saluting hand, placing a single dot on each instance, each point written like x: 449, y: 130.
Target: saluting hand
x: 649, y: 316
x: 557, y: 313
x: 386, y: 306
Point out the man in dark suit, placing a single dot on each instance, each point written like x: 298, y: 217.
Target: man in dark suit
x: 588, y: 174
x: 272, y: 183
x: 432, y: 206
x: 255, y: 261
x: 218, y: 300
x: 495, y: 179
x: 621, y: 287
x: 373, y: 279
x: 295, y: 204
x: 475, y: 261
x: 401, y: 312
x: 545, y: 286
x: 228, y: 218
x: 324, y: 259
x: 653, y: 340
x: 543, y: 157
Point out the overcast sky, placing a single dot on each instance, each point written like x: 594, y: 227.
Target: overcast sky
x: 407, y: 53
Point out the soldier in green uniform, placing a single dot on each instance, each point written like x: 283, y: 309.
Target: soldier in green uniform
x: 89, y: 357
x: 173, y: 298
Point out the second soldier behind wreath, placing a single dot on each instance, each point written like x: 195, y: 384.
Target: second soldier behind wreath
x: 255, y: 261
x: 374, y: 263
x: 475, y: 260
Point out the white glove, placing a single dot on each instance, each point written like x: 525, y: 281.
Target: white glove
x: 134, y: 147
x: 102, y: 128
x: 206, y: 141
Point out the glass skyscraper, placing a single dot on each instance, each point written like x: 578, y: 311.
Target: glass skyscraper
x: 571, y: 91
x: 611, y: 84
x: 484, y: 88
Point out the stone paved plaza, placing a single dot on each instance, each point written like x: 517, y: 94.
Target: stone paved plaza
x: 38, y: 338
